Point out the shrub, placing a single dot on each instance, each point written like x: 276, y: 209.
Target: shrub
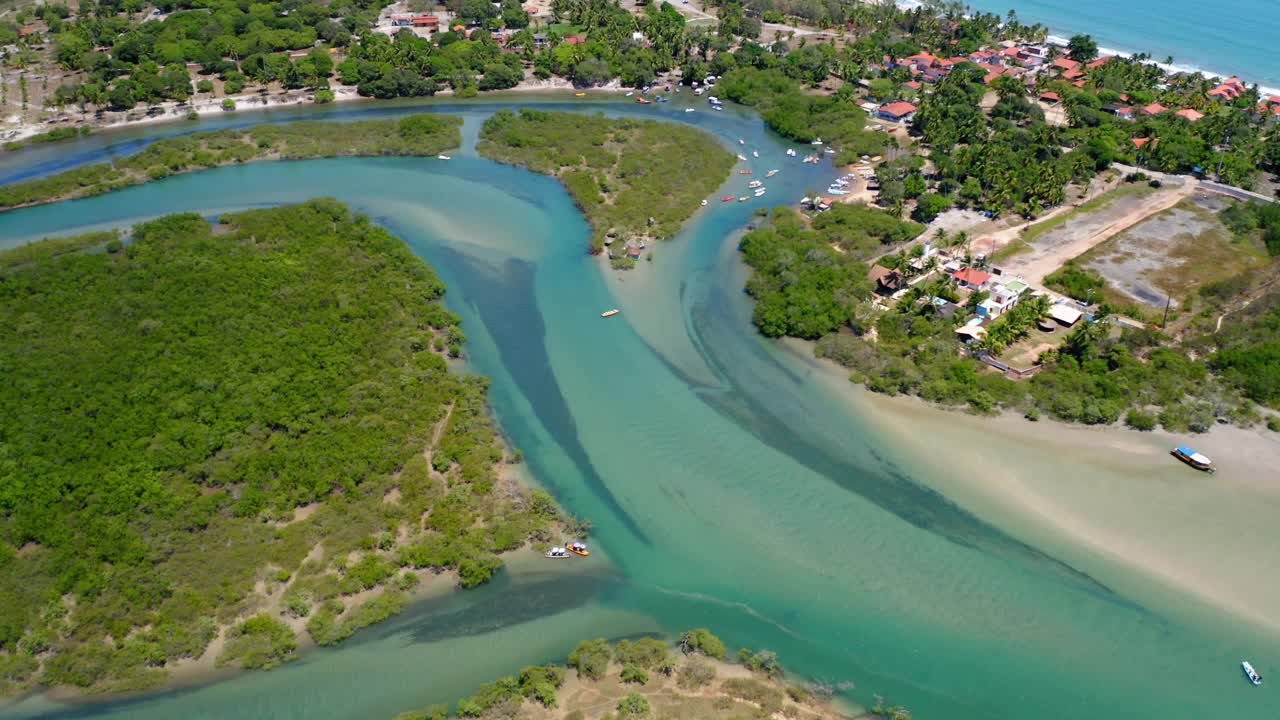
x: 634, y: 674
x: 695, y: 673
x: 259, y: 642
x: 701, y: 640
x: 1140, y: 420
x: 1273, y: 424
x: 228, y: 104
x: 765, y: 661
x: 633, y: 705
x: 324, y: 96
x: 647, y: 653
x: 591, y: 658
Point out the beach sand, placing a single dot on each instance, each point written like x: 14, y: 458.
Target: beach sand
x: 1109, y: 501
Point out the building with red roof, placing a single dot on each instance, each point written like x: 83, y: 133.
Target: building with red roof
x: 899, y: 111
x: 1050, y: 97
x: 1141, y: 142
x: 1072, y: 74
x: 1230, y: 89
x: 1154, y: 109
x: 1100, y: 62
x: 1066, y: 64
x: 972, y: 278
x: 1189, y: 114
x: 575, y: 39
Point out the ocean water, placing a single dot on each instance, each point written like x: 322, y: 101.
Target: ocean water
x: 1226, y: 37
x: 728, y: 487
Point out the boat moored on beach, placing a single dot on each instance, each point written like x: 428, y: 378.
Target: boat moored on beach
x: 578, y: 548
x: 1250, y: 673
x: 1194, y: 459
x: 443, y: 157
x: 556, y: 553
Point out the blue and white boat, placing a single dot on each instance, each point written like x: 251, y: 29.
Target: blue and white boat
x: 1194, y: 459
x: 1250, y: 673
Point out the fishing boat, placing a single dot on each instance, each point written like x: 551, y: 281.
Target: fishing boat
x: 744, y: 172
x: 760, y: 191
x: 1250, y: 673
x: 742, y: 157
x: 744, y: 198
x: 755, y: 153
x: 1193, y: 458
x: 741, y: 141
x: 577, y: 548
x: 641, y: 99
x: 443, y: 157
x: 754, y: 184
x: 771, y: 173
x: 688, y: 109
x: 557, y: 552
x: 727, y: 198
x: 610, y: 313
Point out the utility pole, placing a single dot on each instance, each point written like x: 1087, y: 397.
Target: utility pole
x: 1168, y: 301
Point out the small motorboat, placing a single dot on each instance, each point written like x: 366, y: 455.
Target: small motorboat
x: 742, y: 157
x: 629, y: 94
x: 578, y: 548
x: 727, y: 198
x: 641, y: 99
x: 1193, y: 458
x: 760, y: 191
x: 744, y: 172
x: 741, y: 141
x: 771, y: 173
x: 1250, y: 673
x: 829, y: 151
x: 704, y: 203
x: 688, y: 109
x: 754, y: 184
x: 610, y: 313
x: 744, y: 198
x: 645, y: 89
x: 661, y: 98
x: 817, y: 141
x: 791, y: 152
x: 443, y: 157
x: 557, y: 552
x: 755, y: 153
x: 579, y: 94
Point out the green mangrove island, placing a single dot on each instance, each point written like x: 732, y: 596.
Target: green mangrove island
x: 647, y: 677
x: 635, y: 180
x: 241, y: 431
x: 416, y: 135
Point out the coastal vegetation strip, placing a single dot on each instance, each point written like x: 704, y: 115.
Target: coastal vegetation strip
x: 635, y: 180
x: 418, y: 135
x: 647, y: 677
x: 52, y: 247
x: 237, y: 429
x: 1096, y: 373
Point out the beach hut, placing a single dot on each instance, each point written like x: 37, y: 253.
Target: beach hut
x: 1064, y: 315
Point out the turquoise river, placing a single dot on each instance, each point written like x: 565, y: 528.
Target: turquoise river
x: 967, y: 570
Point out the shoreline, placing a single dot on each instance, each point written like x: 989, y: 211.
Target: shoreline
x: 999, y: 468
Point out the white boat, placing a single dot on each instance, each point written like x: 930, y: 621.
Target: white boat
x: 556, y: 553
x: 816, y: 142
x: 755, y: 153
x: 718, y: 107
x: 754, y: 184
x: 1250, y: 673
x: 744, y: 198
x: 837, y: 191
x: 791, y: 152
x: 742, y: 157
x: 741, y: 141
x: 698, y: 91
x: 760, y: 192
x: 704, y: 203
x: 830, y: 151
x: 610, y: 313
x: 688, y: 109
x: 444, y: 157
x: 771, y: 173
x: 630, y: 93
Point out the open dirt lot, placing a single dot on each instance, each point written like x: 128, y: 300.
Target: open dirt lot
x: 1173, y: 252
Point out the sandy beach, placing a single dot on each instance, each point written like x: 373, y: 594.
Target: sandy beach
x: 1107, y: 500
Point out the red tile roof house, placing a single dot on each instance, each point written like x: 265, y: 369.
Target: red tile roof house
x: 430, y: 21
x: 1066, y: 64
x: 913, y: 85
x: 972, y: 278
x: 1154, y: 109
x: 1230, y: 89
x: 1072, y: 74
x: 575, y: 39
x: 1050, y: 97
x: 1189, y: 114
x: 897, y: 111
x: 1140, y: 142
x: 1100, y: 62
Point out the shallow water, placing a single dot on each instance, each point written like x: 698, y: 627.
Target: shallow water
x: 729, y: 485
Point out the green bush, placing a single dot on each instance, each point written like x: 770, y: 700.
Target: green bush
x: 1139, y: 420
x: 591, y: 658
x: 634, y: 674
x: 695, y: 673
x: 702, y: 641
x: 633, y: 705
x: 259, y: 642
